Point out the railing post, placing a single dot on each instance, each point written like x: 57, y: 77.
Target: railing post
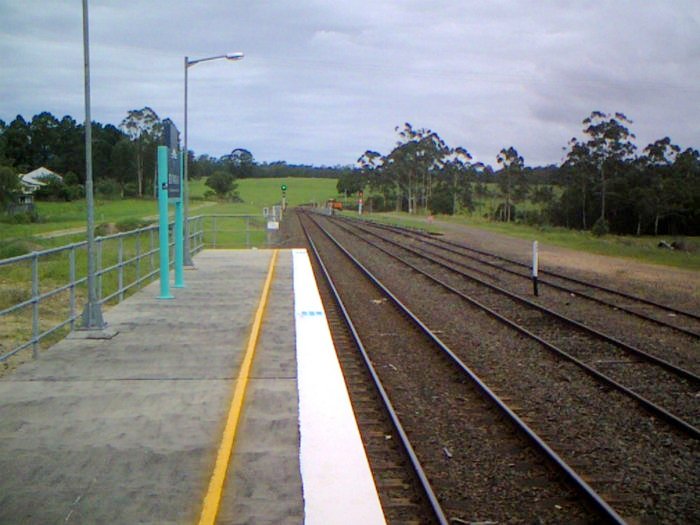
x: 35, y: 305
x: 214, y: 230
x: 71, y: 277
x: 151, y: 249
x: 201, y: 233
x: 138, y: 258
x: 120, y: 269
x: 98, y: 271
x: 247, y: 232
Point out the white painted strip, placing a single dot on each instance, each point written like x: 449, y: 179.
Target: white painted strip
x: 337, y: 481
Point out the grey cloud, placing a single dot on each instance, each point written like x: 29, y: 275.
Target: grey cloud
x: 323, y: 81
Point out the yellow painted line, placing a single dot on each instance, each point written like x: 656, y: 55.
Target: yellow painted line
x: 212, y: 500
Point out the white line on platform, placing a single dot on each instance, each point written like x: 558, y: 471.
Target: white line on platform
x: 337, y: 481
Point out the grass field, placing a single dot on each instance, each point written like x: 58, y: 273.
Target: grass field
x: 255, y: 194
x: 259, y: 193
x: 642, y: 248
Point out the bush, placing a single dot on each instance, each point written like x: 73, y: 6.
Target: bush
x: 108, y: 189
x: 74, y: 193
x: 17, y: 247
x: 375, y: 203
x: 131, y: 189
x: 53, y: 190
x: 23, y: 217
x: 441, y: 202
x: 127, y: 225
x: 223, y: 184
x: 600, y: 228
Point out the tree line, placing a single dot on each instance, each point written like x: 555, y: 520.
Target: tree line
x: 124, y: 157
x: 605, y: 184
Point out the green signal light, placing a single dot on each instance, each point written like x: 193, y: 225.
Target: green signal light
x: 284, y: 187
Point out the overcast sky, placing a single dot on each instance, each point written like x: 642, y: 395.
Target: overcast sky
x: 323, y: 81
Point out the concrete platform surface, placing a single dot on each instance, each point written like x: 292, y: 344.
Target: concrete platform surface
x: 126, y: 430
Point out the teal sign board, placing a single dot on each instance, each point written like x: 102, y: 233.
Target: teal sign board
x: 174, y: 175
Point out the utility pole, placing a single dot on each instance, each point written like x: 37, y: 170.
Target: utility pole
x: 92, y: 314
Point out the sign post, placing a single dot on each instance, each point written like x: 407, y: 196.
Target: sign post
x: 170, y: 192
x: 359, y: 202
x: 175, y: 195
x: 535, y: 264
x: 284, y: 197
x: 163, y: 223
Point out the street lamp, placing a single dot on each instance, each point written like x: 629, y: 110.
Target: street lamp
x: 187, y: 259
x: 92, y: 312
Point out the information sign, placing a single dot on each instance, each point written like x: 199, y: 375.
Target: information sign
x: 174, y: 176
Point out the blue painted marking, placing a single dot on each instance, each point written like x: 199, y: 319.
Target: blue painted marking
x: 311, y: 313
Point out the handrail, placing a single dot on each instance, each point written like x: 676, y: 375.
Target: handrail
x: 125, y: 263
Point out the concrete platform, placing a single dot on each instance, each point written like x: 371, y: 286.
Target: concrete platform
x: 126, y: 430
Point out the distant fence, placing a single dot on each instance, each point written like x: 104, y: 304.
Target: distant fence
x: 42, y: 293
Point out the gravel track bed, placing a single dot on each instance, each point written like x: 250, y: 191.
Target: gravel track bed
x: 666, y: 343
x: 480, y: 469
x: 646, y: 470
x: 680, y: 288
x: 677, y: 395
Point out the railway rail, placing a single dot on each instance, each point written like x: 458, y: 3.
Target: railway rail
x: 405, y: 493
x: 626, y: 491
x: 683, y: 321
x: 638, y: 374
x: 477, y: 402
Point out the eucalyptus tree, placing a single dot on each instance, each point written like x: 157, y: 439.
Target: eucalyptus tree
x: 144, y: 128
x: 9, y: 186
x: 413, y: 162
x: 685, y: 185
x: 657, y: 193
x: 579, y: 172
x: 512, y: 164
x: 371, y: 165
x: 240, y: 163
x: 457, y: 167
x: 17, y: 139
x: 610, y: 145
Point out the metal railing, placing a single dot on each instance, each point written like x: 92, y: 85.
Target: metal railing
x: 42, y: 293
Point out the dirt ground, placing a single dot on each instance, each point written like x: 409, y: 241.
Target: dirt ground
x: 674, y: 286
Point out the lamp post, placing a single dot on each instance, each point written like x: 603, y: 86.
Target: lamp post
x: 187, y: 260
x: 92, y: 313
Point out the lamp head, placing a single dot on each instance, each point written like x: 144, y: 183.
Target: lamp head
x: 234, y: 56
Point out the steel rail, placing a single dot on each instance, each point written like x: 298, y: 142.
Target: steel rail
x: 553, y: 273
x: 405, y: 442
x: 647, y: 404
x: 591, y: 495
x: 429, y: 241
x: 687, y: 374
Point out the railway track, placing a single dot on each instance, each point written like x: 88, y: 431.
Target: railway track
x: 670, y: 317
x: 668, y: 391
x: 507, y: 452
x: 405, y: 494
x: 642, y: 466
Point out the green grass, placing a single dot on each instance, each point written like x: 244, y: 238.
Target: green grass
x: 255, y: 194
x: 642, y: 248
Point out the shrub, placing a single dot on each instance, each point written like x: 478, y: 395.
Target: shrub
x: 53, y: 190
x: 131, y: 189
x: 108, y: 189
x: 600, y: 228
x: 126, y: 225
x: 441, y: 202
x: 23, y: 217
x: 375, y: 203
